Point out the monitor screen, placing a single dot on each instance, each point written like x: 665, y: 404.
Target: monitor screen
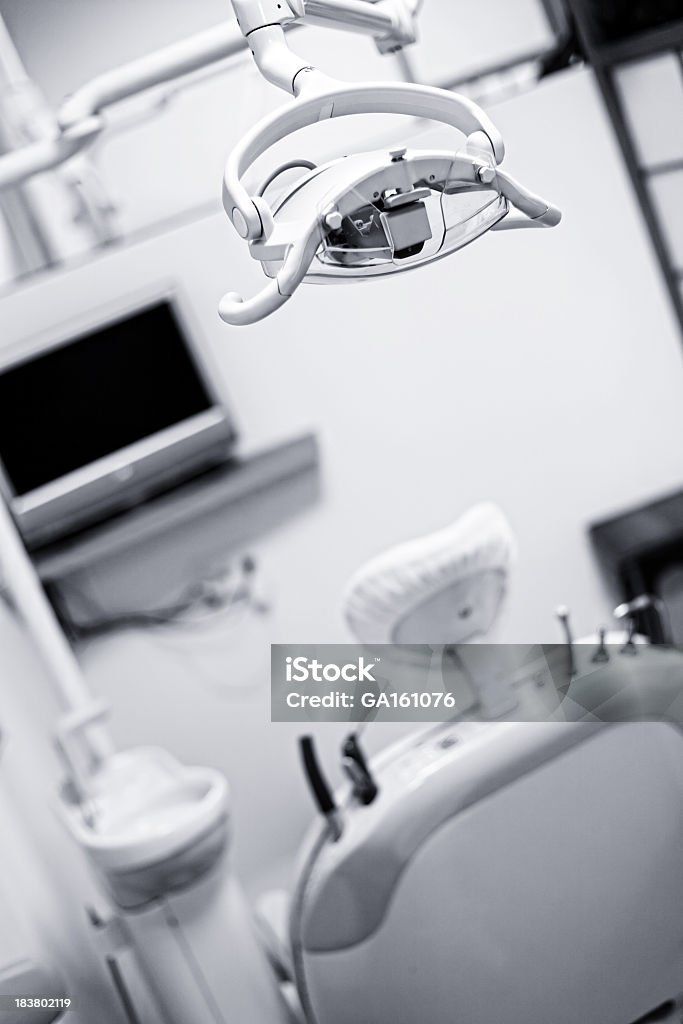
x: 76, y: 403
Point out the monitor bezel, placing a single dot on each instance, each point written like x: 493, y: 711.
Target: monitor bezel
x: 115, y: 464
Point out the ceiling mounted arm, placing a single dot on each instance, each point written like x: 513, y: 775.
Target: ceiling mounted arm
x: 391, y: 23
x: 165, y: 65
x: 78, y: 118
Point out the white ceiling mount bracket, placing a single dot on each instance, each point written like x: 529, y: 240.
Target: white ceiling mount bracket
x: 255, y: 14
x: 262, y: 22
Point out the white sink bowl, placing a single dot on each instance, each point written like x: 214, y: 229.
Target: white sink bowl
x: 144, y: 808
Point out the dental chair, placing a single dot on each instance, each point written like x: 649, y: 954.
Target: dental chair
x: 527, y: 872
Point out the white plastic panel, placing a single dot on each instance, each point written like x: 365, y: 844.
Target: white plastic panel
x: 652, y: 95
x: 671, y: 590
x: 7, y: 266
x: 667, y: 194
x: 555, y: 898
x: 458, y: 37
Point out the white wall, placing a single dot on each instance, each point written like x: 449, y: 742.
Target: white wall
x: 455, y: 35
x: 542, y: 370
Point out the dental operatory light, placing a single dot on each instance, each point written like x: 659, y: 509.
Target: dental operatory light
x: 368, y: 214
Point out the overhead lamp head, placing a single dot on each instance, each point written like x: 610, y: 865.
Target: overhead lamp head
x: 373, y: 213
x: 385, y: 212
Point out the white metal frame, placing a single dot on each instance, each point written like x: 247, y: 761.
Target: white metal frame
x: 80, y: 117
x: 82, y: 741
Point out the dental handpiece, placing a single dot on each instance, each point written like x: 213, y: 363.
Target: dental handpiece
x: 601, y: 655
x: 320, y: 789
x: 630, y: 645
x: 562, y: 613
x: 356, y: 767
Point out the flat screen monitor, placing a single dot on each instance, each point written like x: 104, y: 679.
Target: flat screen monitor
x: 91, y: 422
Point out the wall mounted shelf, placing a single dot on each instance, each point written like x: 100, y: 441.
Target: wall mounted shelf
x: 138, y: 557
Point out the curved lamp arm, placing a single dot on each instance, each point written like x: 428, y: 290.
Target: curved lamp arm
x: 536, y: 212
x: 252, y: 218
x: 374, y: 98
x: 19, y: 165
x: 238, y: 312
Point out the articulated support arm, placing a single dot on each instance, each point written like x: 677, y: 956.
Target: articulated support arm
x: 262, y: 22
x: 164, y: 65
x: 392, y: 23
x: 79, y: 118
